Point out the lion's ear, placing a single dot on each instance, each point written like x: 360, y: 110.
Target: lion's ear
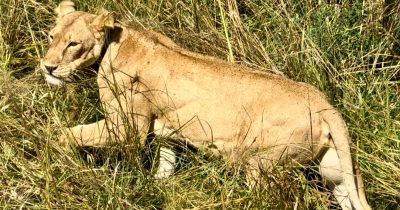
x: 65, y: 7
x: 103, y: 21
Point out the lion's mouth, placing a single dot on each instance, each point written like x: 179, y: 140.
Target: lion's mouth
x: 54, y: 80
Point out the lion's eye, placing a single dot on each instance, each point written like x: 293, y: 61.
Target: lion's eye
x: 73, y: 44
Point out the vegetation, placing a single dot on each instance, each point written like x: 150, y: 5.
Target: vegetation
x: 348, y: 50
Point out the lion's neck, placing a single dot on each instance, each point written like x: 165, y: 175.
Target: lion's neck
x: 109, y: 38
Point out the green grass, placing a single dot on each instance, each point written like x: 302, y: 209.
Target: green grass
x: 348, y: 51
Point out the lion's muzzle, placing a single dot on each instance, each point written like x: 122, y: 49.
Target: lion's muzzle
x: 49, y: 69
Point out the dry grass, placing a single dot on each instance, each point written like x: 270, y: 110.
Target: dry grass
x: 348, y: 51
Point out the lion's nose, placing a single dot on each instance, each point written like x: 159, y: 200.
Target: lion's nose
x: 50, y: 69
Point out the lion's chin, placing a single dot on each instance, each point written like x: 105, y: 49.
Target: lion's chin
x: 52, y: 80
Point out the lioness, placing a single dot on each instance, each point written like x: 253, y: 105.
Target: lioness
x: 146, y: 80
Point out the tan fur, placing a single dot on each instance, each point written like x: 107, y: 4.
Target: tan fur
x: 248, y: 115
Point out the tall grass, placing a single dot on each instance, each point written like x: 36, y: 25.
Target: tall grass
x: 348, y: 50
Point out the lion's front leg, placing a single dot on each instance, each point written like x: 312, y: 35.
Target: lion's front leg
x: 94, y: 134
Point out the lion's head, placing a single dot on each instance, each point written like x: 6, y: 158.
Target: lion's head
x: 75, y: 42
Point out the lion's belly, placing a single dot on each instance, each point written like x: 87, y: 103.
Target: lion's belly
x: 239, y: 131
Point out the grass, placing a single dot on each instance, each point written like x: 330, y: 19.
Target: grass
x: 350, y: 51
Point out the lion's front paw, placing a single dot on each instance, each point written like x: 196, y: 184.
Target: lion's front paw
x: 65, y: 142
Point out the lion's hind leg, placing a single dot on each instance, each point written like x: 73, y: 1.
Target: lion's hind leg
x: 167, y: 161
x: 331, y: 171
x: 167, y: 157
x: 336, y: 165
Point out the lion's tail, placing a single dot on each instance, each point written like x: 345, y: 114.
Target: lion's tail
x: 340, y: 137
